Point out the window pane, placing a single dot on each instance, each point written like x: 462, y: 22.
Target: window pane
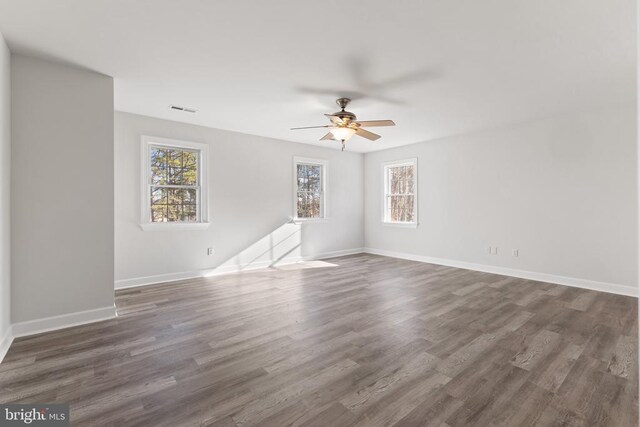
x: 301, y: 175
x: 400, y: 208
x: 158, y: 196
x: 315, y: 205
x: 182, y: 167
x: 410, y: 180
x: 315, y: 178
x: 300, y: 209
x: 158, y: 213
x: 309, y: 177
x: 158, y: 163
x: 401, y: 179
x: 190, y: 213
x: 174, y: 204
x: 409, y: 209
x: 173, y: 166
x: 174, y: 170
x: 181, y: 196
x: 173, y: 213
x: 189, y: 168
x: 303, y: 205
x: 309, y: 205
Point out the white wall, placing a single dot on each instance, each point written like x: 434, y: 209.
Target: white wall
x: 250, y: 193
x: 5, y: 189
x: 62, y: 189
x: 562, y: 191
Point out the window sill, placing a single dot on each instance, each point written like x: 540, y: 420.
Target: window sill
x: 400, y: 224
x: 310, y: 220
x: 174, y: 226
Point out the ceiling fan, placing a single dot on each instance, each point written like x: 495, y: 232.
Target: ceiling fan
x: 344, y: 125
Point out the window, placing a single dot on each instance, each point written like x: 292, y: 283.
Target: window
x: 309, y: 188
x: 173, y: 178
x: 400, y: 189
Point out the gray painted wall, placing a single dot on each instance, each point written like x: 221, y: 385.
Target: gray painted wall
x: 62, y: 189
x: 562, y: 191
x: 5, y: 188
x: 250, y: 202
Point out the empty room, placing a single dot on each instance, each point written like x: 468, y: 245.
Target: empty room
x: 319, y: 213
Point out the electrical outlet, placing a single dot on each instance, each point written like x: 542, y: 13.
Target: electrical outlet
x: 489, y: 250
x: 515, y: 253
x: 209, y: 251
x: 495, y: 250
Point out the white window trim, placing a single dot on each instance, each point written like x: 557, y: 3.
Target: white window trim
x: 145, y: 211
x: 323, y: 200
x: 385, y: 187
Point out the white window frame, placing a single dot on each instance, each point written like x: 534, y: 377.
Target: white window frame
x: 323, y: 198
x: 203, y: 205
x: 385, y: 191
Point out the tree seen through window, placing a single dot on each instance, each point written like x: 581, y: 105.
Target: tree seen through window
x: 309, y: 192
x: 400, y: 194
x: 174, y: 184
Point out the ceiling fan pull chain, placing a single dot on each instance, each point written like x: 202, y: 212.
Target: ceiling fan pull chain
x: 343, y: 145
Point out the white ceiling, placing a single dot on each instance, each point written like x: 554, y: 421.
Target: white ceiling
x: 437, y: 68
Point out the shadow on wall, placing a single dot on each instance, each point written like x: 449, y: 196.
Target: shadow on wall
x: 282, y: 246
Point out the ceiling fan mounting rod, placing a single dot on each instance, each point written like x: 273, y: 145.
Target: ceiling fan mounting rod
x: 343, y: 102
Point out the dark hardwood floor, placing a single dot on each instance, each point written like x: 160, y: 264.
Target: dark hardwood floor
x: 359, y: 340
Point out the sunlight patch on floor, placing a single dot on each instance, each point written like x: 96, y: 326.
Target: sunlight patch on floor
x: 303, y: 265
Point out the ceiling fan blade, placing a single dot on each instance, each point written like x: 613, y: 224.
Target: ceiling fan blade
x: 335, y: 119
x: 327, y: 137
x: 366, y: 134
x: 372, y: 123
x: 311, y: 127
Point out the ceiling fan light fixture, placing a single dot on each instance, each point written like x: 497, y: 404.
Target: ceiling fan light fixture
x: 342, y: 133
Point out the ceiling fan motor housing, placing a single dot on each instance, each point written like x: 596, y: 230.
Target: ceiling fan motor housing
x: 348, y: 115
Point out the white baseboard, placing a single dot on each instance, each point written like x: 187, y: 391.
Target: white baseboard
x: 171, y: 277
x: 505, y: 271
x: 5, y: 343
x: 32, y: 327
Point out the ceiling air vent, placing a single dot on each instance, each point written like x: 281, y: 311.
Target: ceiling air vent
x: 186, y: 110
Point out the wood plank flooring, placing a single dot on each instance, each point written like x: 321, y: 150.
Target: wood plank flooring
x: 361, y: 340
